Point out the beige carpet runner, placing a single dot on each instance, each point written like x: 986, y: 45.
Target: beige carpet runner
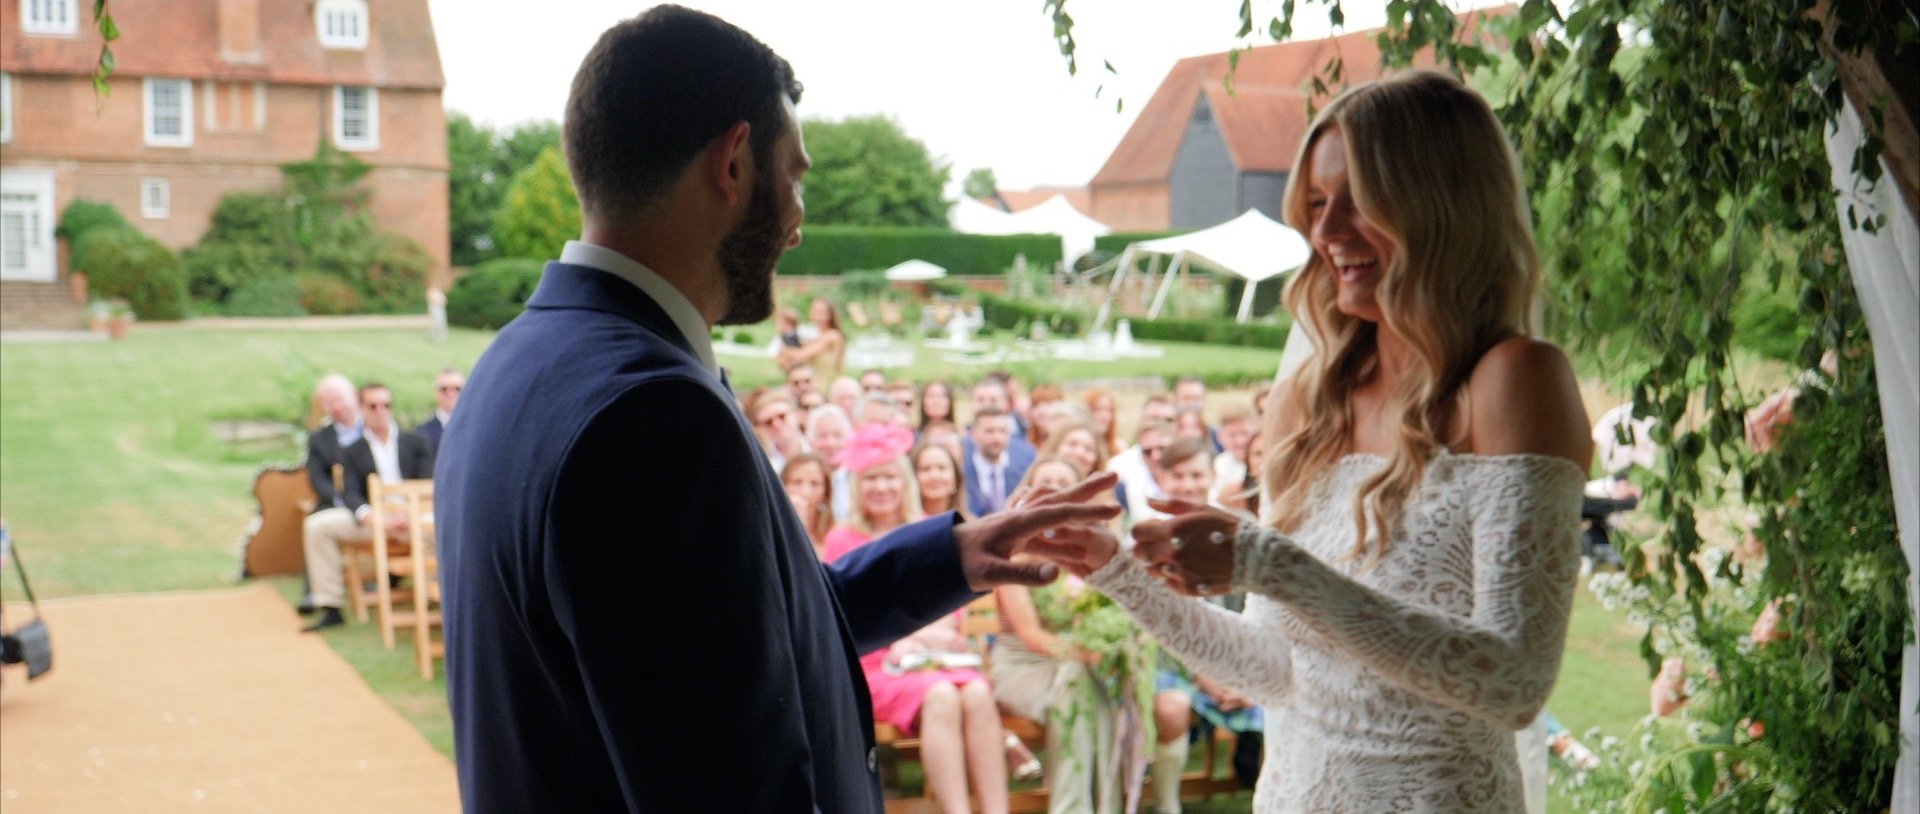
x: 204, y: 701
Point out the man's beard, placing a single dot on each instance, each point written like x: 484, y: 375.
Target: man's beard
x: 748, y: 255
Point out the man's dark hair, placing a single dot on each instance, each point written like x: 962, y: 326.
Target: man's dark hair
x: 990, y: 412
x: 657, y: 89
x: 368, y: 388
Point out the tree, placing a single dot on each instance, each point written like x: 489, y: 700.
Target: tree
x: 980, y: 184
x: 869, y: 172
x: 541, y: 211
x: 482, y: 161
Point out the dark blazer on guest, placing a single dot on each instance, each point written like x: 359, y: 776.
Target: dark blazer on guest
x: 1020, y: 455
x: 323, y: 451
x: 635, y: 618
x: 432, y: 428
x: 416, y: 461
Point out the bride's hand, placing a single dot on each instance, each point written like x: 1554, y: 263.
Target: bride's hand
x: 1192, y: 551
x: 1081, y: 549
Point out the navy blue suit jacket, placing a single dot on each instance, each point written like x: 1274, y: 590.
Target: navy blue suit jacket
x: 635, y: 618
x: 432, y: 429
x: 1020, y: 455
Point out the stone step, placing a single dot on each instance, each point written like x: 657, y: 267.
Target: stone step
x: 33, y: 306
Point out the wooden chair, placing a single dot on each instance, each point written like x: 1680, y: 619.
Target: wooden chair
x: 360, y: 598
x: 400, y: 558
x: 284, y: 497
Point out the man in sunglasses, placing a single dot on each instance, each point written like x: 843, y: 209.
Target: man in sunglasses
x: 384, y: 450
x: 446, y: 393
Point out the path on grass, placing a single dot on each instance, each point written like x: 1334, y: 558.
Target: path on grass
x: 204, y: 701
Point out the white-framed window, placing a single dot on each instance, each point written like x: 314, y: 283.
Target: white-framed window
x: 341, y: 23
x: 169, y: 112
x: 6, y: 108
x: 49, y: 17
x: 356, y: 118
x: 156, y: 198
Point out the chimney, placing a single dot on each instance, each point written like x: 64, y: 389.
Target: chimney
x: 240, y: 30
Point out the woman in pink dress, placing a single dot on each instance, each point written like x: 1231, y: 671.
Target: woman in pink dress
x: 952, y: 710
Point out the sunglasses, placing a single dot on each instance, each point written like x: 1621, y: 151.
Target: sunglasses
x: 379, y: 405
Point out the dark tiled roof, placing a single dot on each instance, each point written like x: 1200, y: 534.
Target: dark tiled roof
x: 180, y: 38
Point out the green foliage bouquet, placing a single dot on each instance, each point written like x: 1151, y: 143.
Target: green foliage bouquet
x: 1121, y: 664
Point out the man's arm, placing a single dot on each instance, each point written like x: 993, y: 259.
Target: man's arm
x: 897, y: 584
x: 320, y: 460
x: 665, y: 579
x: 359, y: 463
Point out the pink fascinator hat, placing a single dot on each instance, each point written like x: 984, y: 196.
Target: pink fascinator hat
x: 872, y: 445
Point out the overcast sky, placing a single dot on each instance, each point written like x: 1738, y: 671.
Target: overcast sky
x: 981, y: 82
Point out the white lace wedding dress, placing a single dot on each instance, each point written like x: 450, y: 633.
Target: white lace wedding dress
x: 1399, y: 688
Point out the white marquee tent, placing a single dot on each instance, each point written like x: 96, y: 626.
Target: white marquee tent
x: 1055, y: 216
x: 1252, y: 247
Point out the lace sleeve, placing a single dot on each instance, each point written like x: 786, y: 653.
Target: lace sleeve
x: 1232, y: 648
x: 1498, y: 665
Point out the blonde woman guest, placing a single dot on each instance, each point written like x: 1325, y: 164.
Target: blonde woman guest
x: 809, y: 484
x: 952, y: 710
x: 1410, y: 577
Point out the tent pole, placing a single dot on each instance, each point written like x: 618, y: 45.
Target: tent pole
x: 1246, y: 302
x: 1166, y: 284
x: 1123, y: 265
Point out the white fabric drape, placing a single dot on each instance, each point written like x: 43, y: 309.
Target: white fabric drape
x: 1887, y: 276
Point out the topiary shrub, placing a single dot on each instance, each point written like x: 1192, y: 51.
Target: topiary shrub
x: 124, y: 264
x: 325, y: 294
x: 493, y: 293
x: 83, y: 218
x: 266, y: 297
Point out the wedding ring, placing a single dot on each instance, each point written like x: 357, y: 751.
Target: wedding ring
x: 1201, y: 587
x: 1217, y: 537
x: 1178, y: 543
x: 1165, y: 569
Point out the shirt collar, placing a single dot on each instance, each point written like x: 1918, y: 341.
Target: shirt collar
x: 679, y: 309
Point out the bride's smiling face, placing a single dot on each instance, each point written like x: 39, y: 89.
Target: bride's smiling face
x: 1356, y: 251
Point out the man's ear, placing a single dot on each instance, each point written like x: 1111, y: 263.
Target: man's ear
x: 729, y: 161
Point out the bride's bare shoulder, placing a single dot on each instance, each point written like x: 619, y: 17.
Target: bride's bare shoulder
x: 1524, y: 398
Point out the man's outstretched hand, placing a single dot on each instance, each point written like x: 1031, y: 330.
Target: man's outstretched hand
x: 988, y: 544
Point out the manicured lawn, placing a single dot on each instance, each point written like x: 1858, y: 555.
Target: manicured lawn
x: 113, y: 478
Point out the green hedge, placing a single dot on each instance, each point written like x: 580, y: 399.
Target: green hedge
x: 266, y: 297
x: 493, y: 293
x: 1005, y: 313
x: 1113, y: 243
x: 124, y: 264
x: 1266, y: 296
x: 830, y: 250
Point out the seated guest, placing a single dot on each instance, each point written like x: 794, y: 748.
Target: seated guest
x: 812, y: 401
x: 902, y: 394
x: 1037, y: 403
x: 446, y: 393
x: 1037, y: 675
x: 936, y: 470
x: 1186, y: 705
x: 877, y: 408
x: 991, y: 394
x: 810, y: 488
x: 772, y: 411
x: 1080, y: 443
x: 800, y: 382
x: 1139, y: 468
x: 844, y: 393
x: 1104, y: 410
x: 995, y: 465
x: 936, y: 404
x: 1237, y: 428
x: 384, y: 450
x: 1185, y: 473
x: 339, y: 409
x: 951, y: 709
x: 1191, y: 423
x: 827, y: 432
x: 1157, y: 409
x: 873, y: 380
x: 945, y: 434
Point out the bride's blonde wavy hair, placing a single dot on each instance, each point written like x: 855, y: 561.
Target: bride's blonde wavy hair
x: 1429, y: 165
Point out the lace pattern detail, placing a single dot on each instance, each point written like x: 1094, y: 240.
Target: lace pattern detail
x: 1395, y: 686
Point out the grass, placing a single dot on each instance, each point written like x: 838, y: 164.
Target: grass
x: 112, y: 481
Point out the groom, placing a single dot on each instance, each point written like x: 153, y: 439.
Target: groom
x: 635, y: 619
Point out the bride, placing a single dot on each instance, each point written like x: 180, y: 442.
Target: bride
x: 1410, y: 578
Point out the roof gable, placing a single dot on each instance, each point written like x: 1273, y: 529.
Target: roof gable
x: 1262, y: 118
x: 180, y: 38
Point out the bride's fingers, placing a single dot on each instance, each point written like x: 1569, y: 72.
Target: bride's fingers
x: 1173, y: 507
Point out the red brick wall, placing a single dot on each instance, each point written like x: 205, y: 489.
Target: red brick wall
x: 1133, y: 207
x: 98, y: 151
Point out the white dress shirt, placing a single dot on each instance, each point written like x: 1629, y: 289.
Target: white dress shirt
x: 679, y: 309
x: 386, y: 461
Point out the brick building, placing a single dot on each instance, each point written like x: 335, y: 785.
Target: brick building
x: 1198, y: 155
x: 210, y: 97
